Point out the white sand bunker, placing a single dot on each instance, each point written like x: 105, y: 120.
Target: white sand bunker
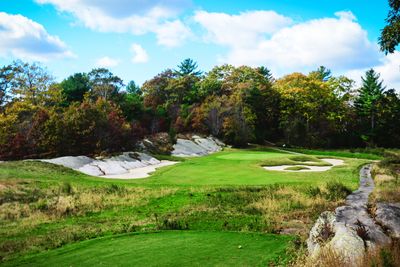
x: 306, y: 168
x: 142, y: 172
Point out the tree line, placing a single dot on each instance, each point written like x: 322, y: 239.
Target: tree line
x: 93, y: 113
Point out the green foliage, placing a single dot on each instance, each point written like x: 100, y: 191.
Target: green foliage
x: 104, y: 83
x: 390, y: 35
x: 188, y: 67
x: 367, y: 101
x: 75, y: 87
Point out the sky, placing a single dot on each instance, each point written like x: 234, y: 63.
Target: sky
x: 136, y: 39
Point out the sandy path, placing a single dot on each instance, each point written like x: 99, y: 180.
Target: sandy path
x: 334, y: 162
x: 141, y: 172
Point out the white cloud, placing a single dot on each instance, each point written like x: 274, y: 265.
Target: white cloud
x: 241, y: 30
x: 339, y: 43
x: 172, y: 33
x: 388, y: 68
x: 139, y: 54
x: 107, y: 62
x: 24, y: 38
x: 129, y: 16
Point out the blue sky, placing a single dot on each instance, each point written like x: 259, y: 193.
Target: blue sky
x: 136, y: 39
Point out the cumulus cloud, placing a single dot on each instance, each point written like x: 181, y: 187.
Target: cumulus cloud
x: 27, y: 39
x: 107, y: 62
x: 339, y: 42
x: 129, y: 16
x: 139, y: 54
x: 388, y: 68
x: 243, y: 30
x: 172, y: 33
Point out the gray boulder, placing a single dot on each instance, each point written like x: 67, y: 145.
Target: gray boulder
x: 388, y: 215
x: 197, y: 146
x: 321, y: 232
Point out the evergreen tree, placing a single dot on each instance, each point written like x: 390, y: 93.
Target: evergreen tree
x: 75, y: 87
x: 367, y: 101
x: 188, y: 67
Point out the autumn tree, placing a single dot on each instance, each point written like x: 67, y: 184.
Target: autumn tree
x: 104, y: 83
x: 30, y: 82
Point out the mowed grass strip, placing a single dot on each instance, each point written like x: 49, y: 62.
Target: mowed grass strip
x: 169, y: 248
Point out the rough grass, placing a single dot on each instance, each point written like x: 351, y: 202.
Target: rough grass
x: 383, y: 256
x: 386, y: 175
x: 43, y: 206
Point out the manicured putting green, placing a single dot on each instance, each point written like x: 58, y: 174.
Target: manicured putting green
x: 169, y: 248
x: 243, y: 167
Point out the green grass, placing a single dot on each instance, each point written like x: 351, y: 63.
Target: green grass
x: 242, y: 167
x: 43, y: 206
x: 171, y: 248
x: 295, y: 160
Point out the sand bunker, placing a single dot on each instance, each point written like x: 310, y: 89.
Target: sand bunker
x: 142, y: 172
x: 308, y: 168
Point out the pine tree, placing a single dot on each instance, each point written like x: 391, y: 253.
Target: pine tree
x: 369, y: 95
x: 188, y: 67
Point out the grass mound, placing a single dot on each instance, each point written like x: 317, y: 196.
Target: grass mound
x: 296, y: 168
x: 295, y: 160
x: 169, y: 248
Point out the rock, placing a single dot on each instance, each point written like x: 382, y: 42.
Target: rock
x: 91, y: 170
x: 187, y: 148
x: 347, y: 244
x: 198, y: 146
x: 388, y: 215
x: 120, y: 165
x: 354, y: 229
x: 320, y: 232
x: 70, y: 162
x: 356, y: 210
